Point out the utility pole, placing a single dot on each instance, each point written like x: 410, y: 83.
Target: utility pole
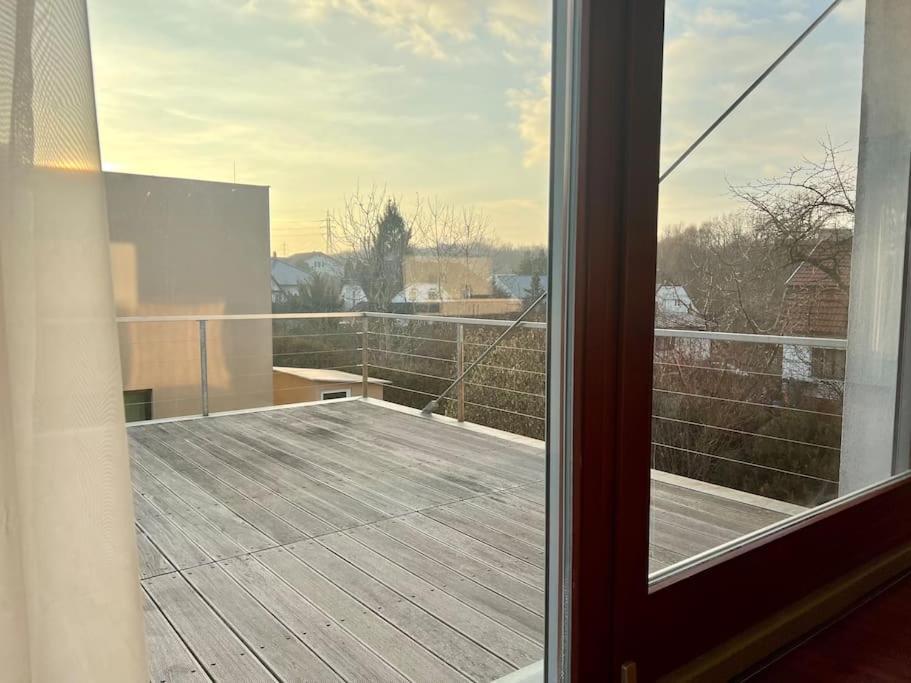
x: 328, y: 233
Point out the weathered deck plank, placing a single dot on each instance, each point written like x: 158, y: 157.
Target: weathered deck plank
x: 428, y: 629
x: 320, y: 631
x: 221, y: 652
x: 270, y: 640
x: 405, y: 654
x: 347, y: 541
x: 169, y: 658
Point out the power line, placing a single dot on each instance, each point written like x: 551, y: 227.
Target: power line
x: 746, y: 93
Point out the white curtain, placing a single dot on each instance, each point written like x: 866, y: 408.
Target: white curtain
x: 69, y: 591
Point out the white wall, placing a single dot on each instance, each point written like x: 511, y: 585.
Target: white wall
x: 877, y: 272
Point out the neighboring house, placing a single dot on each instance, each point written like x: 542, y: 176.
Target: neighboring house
x: 286, y: 279
x: 518, y: 286
x: 299, y: 385
x: 421, y: 293
x: 426, y: 297
x: 353, y: 298
x: 675, y: 310
x: 463, y: 277
x: 190, y: 247
x: 816, y: 305
x: 319, y: 263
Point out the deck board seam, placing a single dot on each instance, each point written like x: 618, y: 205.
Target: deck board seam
x: 397, y: 469
x: 366, y: 606
x: 290, y: 470
x: 200, y: 512
x: 416, y: 462
x: 486, y: 526
x: 215, y: 501
x: 456, y: 571
x: 453, y: 596
x: 235, y: 630
x: 176, y: 632
x: 418, y: 606
x: 431, y: 614
x: 478, y: 559
x: 400, y: 433
x: 283, y: 482
x: 238, y: 491
x: 347, y: 479
x: 316, y: 537
x: 340, y: 624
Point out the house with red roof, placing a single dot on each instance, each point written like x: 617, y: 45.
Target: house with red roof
x: 815, y: 304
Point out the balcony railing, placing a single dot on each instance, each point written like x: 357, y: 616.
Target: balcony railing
x: 760, y: 413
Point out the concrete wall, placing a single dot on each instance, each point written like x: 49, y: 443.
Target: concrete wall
x: 188, y: 247
x: 291, y: 389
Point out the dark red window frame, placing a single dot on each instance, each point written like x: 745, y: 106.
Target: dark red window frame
x: 616, y: 616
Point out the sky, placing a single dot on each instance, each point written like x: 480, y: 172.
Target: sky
x: 445, y: 99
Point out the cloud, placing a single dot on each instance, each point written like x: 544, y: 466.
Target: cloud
x: 432, y: 28
x: 533, y: 107
x: 851, y: 11
x: 719, y: 19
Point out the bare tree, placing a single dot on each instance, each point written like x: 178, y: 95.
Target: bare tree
x: 436, y: 230
x: 378, y: 235
x: 453, y: 239
x: 812, y: 202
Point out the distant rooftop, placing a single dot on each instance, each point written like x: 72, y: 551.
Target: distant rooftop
x: 518, y: 286
x: 284, y: 275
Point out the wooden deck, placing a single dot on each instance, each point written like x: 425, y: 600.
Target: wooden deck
x: 349, y: 541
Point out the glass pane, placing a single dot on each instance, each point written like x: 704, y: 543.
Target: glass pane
x: 781, y: 256
x: 322, y: 216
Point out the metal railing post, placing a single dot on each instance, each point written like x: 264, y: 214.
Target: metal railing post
x: 203, y: 368
x: 460, y: 368
x: 365, y: 368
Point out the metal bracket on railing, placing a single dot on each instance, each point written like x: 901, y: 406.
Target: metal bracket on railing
x: 203, y: 368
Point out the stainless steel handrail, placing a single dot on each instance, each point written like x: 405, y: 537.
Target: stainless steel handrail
x: 745, y: 337
x: 460, y: 322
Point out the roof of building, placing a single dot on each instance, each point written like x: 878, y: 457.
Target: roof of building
x: 674, y: 309
x: 816, y: 294
x: 328, y: 376
x: 285, y: 275
x: 518, y: 286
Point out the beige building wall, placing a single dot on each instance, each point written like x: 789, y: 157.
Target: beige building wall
x: 480, y: 308
x: 191, y: 247
x: 460, y: 277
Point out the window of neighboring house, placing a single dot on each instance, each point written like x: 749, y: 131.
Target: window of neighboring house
x: 329, y: 395
x: 137, y: 404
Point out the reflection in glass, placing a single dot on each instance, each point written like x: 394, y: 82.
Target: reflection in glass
x: 780, y: 266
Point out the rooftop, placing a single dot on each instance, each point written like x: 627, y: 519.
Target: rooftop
x: 324, y: 375
x: 354, y: 540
